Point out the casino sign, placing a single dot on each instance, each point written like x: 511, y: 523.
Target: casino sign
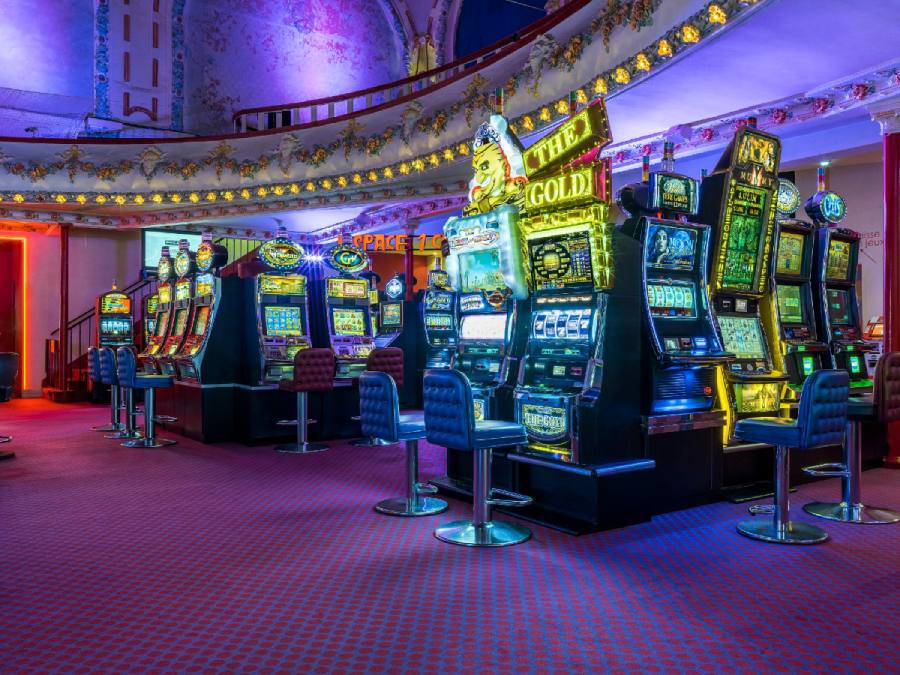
x: 346, y: 258
x: 826, y: 206
x: 281, y: 254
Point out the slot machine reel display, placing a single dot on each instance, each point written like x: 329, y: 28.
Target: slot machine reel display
x: 682, y: 347
x: 163, y: 318
x: 834, y: 279
x: 788, y: 314
x: 115, y: 322
x: 439, y: 320
x: 282, y: 308
x: 738, y: 200
x: 349, y: 313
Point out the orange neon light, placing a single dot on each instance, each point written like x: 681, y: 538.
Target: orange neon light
x: 24, y: 360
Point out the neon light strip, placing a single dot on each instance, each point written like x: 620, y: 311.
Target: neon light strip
x: 23, y: 360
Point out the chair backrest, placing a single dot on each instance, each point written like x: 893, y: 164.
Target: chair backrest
x: 126, y: 366
x: 314, y: 369
x: 449, y: 415
x: 9, y: 368
x: 387, y: 360
x: 823, y: 408
x: 93, y: 360
x: 887, y: 387
x: 379, y: 406
x: 108, y: 369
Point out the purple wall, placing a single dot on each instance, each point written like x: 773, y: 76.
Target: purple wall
x: 243, y: 53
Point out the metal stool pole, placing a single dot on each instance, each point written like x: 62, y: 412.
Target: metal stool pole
x: 302, y: 446
x: 416, y: 503
x: 128, y: 430
x: 115, y: 403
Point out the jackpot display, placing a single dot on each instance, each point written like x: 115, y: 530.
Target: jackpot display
x: 114, y: 319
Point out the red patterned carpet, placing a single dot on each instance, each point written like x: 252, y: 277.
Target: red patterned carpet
x: 231, y: 559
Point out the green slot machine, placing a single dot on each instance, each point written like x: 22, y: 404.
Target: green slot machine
x: 738, y: 200
x: 349, y: 313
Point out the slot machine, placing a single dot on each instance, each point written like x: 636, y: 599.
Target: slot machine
x: 184, y: 266
x: 738, y: 201
x: 163, y: 317
x: 835, y: 270
x: 788, y: 312
x: 282, y: 308
x: 438, y: 320
x: 681, y: 345
x: 390, y: 311
x: 114, y: 319
x: 349, y: 310
x: 150, y: 309
x: 206, y: 302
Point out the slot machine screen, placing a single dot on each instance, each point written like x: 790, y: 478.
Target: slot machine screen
x: 162, y: 322
x: 391, y: 314
x: 115, y: 303
x: 339, y: 287
x: 745, y: 238
x: 439, y: 321
x: 292, y: 350
x: 164, y: 293
x: 115, y: 328
x: 838, y: 306
x: 201, y: 320
x: 757, y: 397
x: 181, y: 318
x: 483, y: 327
x: 349, y: 322
x: 283, y: 321
x: 438, y: 301
x: 838, y: 265
x: 789, y: 259
x: 561, y: 324
x: 790, y: 307
x: 742, y: 335
x: 183, y: 290
x: 480, y: 271
x: 670, y: 247
x: 672, y: 300
x: 561, y: 261
x: 293, y: 284
x: 204, y: 285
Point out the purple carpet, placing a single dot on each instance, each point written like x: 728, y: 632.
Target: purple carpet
x: 224, y: 558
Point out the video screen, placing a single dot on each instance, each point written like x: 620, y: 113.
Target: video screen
x: 165, y: 293
x: 790, y: 306
x: 757, y: 149
x: 438, y: 301
x: 742, y: 246
x: 201, y: 319
x: 670, y: 247
x: 838, y: 265
x: 283, y: 321
x: 204, y: 285
x: 483, y: 327
x: 561, y: 324
x: 339, y: 287
x: 115, y: 327
x: 349, y: 322
x: 561, y: 261
x: 183, y: 290
x: 162, y: 322
x: 838, y: 306
x: 742, y: 335
x: 152, y: 242
x: 291, y: 350
x: 181, y: 318
x: 391, y: 314
x: 480, y: 271
x: 757, y: 397
x: 288, y: 284
x: 671, y: 300
x: 115, y: 303
x: 789, y: 257
x: 439, y: 321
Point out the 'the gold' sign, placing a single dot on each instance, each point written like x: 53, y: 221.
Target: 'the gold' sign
x: 572, y: 139
x: 567, y: 189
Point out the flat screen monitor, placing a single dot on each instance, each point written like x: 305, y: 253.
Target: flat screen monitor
x: 115, y: 303
x: 183, y: 290
x: 201, y: 319
x: 561, y: 324
x: 391, y: 314
x: 348, y: 322
x: 165, y: 293
x: 283, y: 321
x: 152, y: 242
x: 162, y: 322
x: 439, y: 321
x: 838, y: 306
x: 790, y: 305
x: 789, y: 258
x: 670, y: 247
x: 181, y: 318
x: 116, y: 327
x: 837, y: 266
x: 745, y: 237
x: 204, y: 285
x: 480, y: 271
x: 483, y: 327
x: 757, y: 397
x: 282, y: 284
x: 561, y: 261
x: 438, y: 301
x: 742, y: 336
x: 672, y: 300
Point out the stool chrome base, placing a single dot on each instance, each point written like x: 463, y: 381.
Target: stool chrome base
x: 490, y: 534
x: 149, y: 443
x: 794, y: 532
x: 109, y: 427
x: 124, y: 433
x: 300, y: 448
x: 855, y: 513
x: 369, y: 442
x: 420, y: 506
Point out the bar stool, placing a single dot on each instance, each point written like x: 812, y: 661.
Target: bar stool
x: 109, y: 375
x: 450, y: 422
x: 882, y: 406
x: 129, y: 377
x: 821, y: 417
x: 313, y: 371
x: 115, y: 403
x: 9, y: 368
x: 379, y: 408
x: 383, y: 360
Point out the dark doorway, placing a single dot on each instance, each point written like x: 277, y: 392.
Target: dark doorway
x: 12, y: 302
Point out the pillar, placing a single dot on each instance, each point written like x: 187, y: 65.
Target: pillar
x: 63, y: 366
x: 409, y: 229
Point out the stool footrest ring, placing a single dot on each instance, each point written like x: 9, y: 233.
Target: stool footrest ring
x: 163, y: 419
x: 761, y: 509
x: 426, y: 489
x: 828, y: 470
x: 509, y: 499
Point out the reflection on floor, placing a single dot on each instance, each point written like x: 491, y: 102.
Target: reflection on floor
x: 228, y: 558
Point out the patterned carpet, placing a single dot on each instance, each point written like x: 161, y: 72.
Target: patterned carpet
x: 231, y: 559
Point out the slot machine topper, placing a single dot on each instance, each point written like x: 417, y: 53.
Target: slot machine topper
x: 349, y: 310
x: 114, y: 319
x: 282, y: 307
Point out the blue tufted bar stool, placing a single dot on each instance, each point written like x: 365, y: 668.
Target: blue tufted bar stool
x: 9, y: 368
x: 384, y: 360
x: 115, y: 401
x: 450, y: 422
x: 820, y: 422
x: 379, y: 412
x: 109, y: 375
x: 313, y: 371
x: 130, y: 378
x: 882, y: 406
